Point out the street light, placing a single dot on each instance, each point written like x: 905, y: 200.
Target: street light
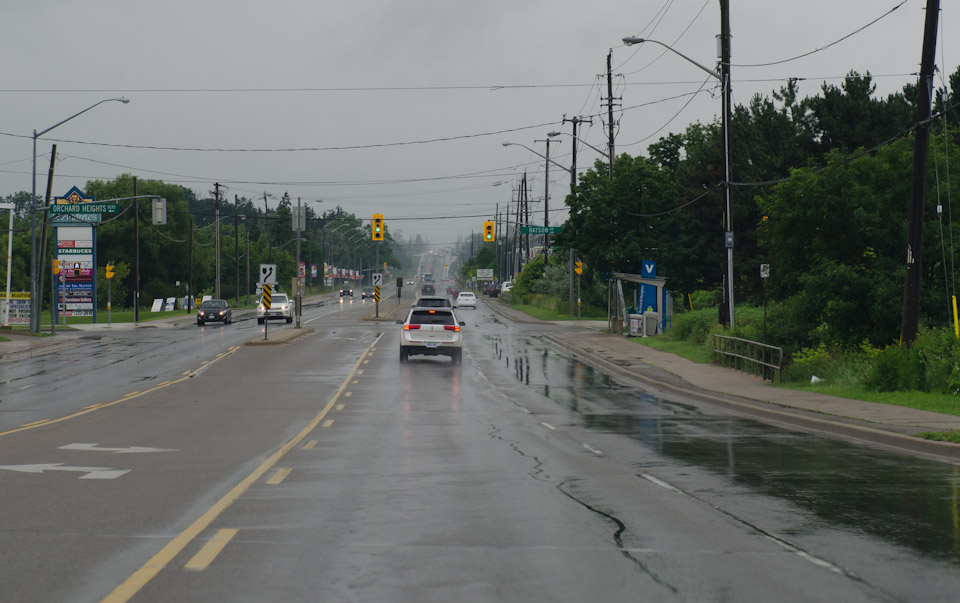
x: 723, y: 75
x: 573, y: 169
x: 34, y: 294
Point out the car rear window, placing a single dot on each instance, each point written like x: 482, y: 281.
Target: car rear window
x: 431, y: 317
x: 433, y: 302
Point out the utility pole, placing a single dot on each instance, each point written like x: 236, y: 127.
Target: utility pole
x: 546, y: 207
x: 216, y: 229
x: 45, y: 219
x: 576, y: 121
x: 918, y: 183
x: 526, y: 213
x: 136, y: 253
x: 236, y: 243
x: 727, y: 174
x: 190, y: 292
x: 610, y: 103
x: 248, y: 265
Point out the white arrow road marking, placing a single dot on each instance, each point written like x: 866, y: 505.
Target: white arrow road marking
x: 128, y: 450
x: 91, y: 472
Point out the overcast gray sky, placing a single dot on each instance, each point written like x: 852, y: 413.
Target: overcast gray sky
x: 260, y: 77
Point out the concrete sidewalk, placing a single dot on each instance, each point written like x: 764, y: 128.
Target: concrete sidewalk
x: 883, y: 424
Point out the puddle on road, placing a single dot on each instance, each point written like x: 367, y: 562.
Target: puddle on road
x: 908, y: 501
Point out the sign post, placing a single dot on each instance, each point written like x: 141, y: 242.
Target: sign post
x: 267, y: 296
x: 377, y: 281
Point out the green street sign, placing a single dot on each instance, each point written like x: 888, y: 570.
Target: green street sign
x: 540, y: 229
x: 84, y: 208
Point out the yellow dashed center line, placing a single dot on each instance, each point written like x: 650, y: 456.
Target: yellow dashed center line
x: 360, y: 372
x: 310, y: 445
x: 355, y: 381
x: 341, y: 406
x: 366, y: 362
x: 279, y: 476
x: 328, y: 423
x: 209, y: 552
x: 92, y: 406
x: 348, y: 394
x: 138, y: 579
x: 130, y: 394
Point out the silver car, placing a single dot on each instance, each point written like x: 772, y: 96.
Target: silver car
x: 431, y: 332
x: 280, y: 308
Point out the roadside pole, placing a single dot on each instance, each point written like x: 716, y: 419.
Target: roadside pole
x: 376, y: 299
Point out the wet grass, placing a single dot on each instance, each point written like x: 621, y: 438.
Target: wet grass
x: 942, y: 403
x: 697, y: 352
x: 940, y: 436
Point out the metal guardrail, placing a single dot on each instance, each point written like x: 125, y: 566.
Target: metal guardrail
x: 748, y: 356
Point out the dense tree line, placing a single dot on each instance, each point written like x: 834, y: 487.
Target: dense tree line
x: 184, y: 248
x: 821, y: 191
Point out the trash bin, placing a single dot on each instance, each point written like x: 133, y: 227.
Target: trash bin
x: 651, y: 323
x: 636, y: 325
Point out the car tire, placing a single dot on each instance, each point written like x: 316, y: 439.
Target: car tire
x: 199, y: 323
x: 456, y: 357
x: 289, y: 320
x: 403, y: 355
x: 259, y: 321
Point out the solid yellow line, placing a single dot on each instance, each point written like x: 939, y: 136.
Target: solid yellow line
x: 279, y: 476
x: 88, y: 410
x: 34, y: 423
x: 152, y: 567
x: 309, y: 445
x: 328, y: 423
x: 91, y: 406
x: 209, y: 552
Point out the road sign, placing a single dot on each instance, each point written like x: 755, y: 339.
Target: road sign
x: 764, y: 270
x: 268, y: 274
x: 267, y: 296
x: 535, y: 230
x: 484, y: 272
x: 376, y: 293
x: 377, y: 279
x: 84, y: 208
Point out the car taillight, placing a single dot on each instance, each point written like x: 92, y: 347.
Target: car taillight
x: 408, y: 327
x: 451, y: 328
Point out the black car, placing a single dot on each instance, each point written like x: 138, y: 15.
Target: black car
x: 214, y: 310
x: 428, y: 289
x: 366, y: 292
x: 346, y: 290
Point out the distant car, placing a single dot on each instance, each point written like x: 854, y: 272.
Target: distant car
x: 366, y: 292
x: 432, y: 301
x: 214, y: 310
x: 280, y: 307
x: 466, y: 299
x: 428, y: 289
x: 346, y: 290
x: 431, y: 332
x: 506, y: 286
x: 409, y: 282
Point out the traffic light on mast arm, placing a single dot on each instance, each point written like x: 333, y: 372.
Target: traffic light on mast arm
x: 109, y: 271
x: 489, y: 231
x: 376, y: 229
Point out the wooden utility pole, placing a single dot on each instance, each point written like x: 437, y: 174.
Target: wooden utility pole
x: 136, y: 253
x: 236, y: 243
x: 918, y: 183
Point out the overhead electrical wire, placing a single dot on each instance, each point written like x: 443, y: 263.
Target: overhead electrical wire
x: 665, y: 51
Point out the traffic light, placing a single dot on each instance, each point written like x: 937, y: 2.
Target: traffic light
x: 377, y: 228
x: 489, y: 230
x: 56, y: 266
x: 578, y: 267
x: 109, y: 271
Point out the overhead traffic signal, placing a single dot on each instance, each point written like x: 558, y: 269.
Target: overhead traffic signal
x: 109, y: 271
x: 377, y: 228
x: 489, y: 230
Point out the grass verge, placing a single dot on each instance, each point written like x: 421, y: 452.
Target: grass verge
x: 940, y: 436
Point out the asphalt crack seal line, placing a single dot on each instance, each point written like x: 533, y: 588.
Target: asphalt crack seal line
x: 132, y: 585
x: 125, y: 398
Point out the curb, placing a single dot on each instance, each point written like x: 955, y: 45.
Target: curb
x: 285, y: 336
x: 859, y: 432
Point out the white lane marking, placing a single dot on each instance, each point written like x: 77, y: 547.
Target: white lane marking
x: 548, y: 426
x: 127, y: 450
x: 525, y: 410
x: 660, y: 482
x: 91, y: 472
x: 592, y: 449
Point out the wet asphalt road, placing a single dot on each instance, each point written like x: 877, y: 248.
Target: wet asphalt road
x: 326, y: 470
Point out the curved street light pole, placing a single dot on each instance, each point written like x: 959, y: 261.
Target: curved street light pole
x: 723, y: 75
x: 34, y: 294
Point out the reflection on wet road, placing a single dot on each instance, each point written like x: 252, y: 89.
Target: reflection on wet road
x: 904, y: 500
